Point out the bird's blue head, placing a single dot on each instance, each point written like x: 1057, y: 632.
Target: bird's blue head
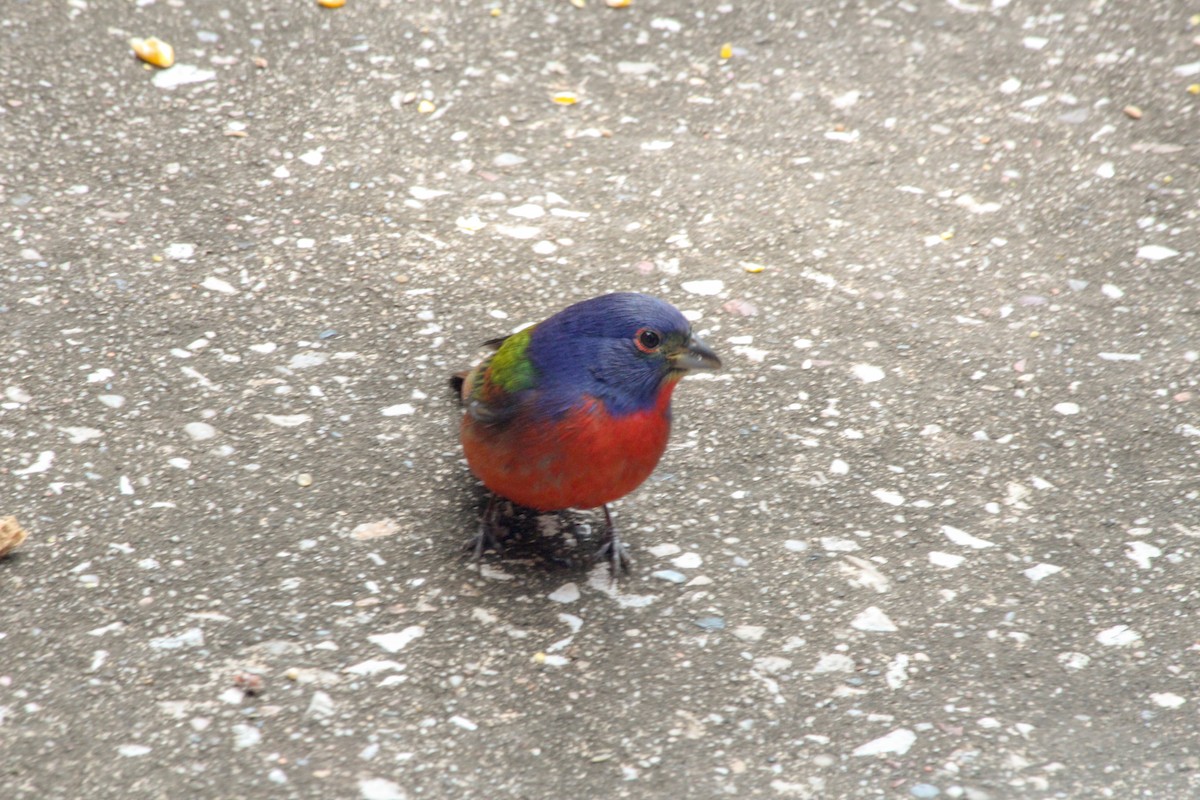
x: 622, y: 348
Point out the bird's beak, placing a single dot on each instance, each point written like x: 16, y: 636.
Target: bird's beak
x: 695, y: 355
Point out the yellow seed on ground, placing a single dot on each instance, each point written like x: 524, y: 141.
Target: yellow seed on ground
x: 495, y: 12
x: 727, y: 51
x: 331, y: 3
x: 1194, y: 88
x: 11, y: 535
x: 426, y: 107
x: 947, y: 235
x: 579, y: 3
x: 566, y: 98
x: 618, y: 3
x: 153, y: 51
x: 752, y: 268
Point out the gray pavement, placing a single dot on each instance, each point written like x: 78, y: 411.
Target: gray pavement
x: 933, y: 532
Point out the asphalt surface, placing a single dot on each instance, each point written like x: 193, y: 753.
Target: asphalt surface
x: 933, y: 532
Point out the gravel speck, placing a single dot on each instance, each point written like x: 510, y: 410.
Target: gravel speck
x: 873, y: 620
x: 964, y: 539
x: 399, y: 410
x: 1167, y: 699
x: 199, y: 431
x: 215, y: 284
x: 711, y: 623
x: 395, y: 642
x: 1041, y: 571
x: 380, y: 789
x: 133, y: 750
x: 1118, y: 636
x: 567, y: 593
x: 888, y: 496
x: 897, y: 742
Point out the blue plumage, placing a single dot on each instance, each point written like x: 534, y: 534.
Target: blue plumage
x: 591, y: 348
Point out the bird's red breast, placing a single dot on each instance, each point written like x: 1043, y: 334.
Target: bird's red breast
x: 584, y: 459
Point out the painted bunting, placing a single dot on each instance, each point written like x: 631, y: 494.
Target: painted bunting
x: 574, y: 412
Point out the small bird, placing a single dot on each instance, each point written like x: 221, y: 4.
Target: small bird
x: 575, y: 412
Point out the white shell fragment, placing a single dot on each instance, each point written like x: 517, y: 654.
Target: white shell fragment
x: 1155, y: 252
x: 1040, y: 571
x: 964, y: 539
x: 1118, y: 636
x: 889, y: 497
x: 287, y: 420
x: 898, y: 742
x: 181, y: 75
x: 704, y: 288
x: 868, y: 373
x: 395, y: 642
x: 1167, y: 699
x: 567, y: 593
x: 199, y: 431
x: 214, y: 284
x: 873, y: 620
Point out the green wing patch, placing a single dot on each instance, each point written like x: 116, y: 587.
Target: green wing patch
x: 492, y: 387
x: 509, y: 370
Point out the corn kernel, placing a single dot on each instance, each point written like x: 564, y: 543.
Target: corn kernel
x: 153, y: 51
x: 726, y: 51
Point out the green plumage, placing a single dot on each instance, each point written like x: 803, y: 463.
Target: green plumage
x: 510, y: 369
x: 490, y: 390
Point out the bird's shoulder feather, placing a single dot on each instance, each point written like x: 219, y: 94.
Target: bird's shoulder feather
x: 493, y: 390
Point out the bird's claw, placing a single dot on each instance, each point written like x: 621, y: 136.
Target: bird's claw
x: 613, y: 550
x: 480, y: 543
x: 486, y: 539
x: 617, y: 555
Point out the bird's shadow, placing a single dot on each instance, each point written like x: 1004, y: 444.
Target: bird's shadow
x: 560, y: 541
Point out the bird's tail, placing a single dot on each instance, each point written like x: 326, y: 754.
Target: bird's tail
x: 456, y: 383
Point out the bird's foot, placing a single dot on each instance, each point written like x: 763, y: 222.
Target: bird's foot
x: 486, y: 539
x: 617, y: 556
x: 613, y: 550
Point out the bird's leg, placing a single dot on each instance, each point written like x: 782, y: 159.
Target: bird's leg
x: 486, y: 538
x: 611, y: 548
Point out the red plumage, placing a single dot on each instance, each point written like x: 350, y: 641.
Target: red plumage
x: 583, y: 460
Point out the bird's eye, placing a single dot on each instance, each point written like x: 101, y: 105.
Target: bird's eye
x: 648, y: 340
